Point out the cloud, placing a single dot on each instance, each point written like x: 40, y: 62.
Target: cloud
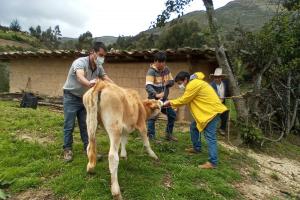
x: 68, y: 14
x: 112, y: 17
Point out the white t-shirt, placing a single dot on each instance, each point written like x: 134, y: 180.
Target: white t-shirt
x: 221, y: 90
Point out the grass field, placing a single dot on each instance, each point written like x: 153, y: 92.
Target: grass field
x: 31, y: 157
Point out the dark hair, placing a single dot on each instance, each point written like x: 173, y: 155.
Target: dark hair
x: 181, y: 76
x: 160, y: 56
x: 99, y: 45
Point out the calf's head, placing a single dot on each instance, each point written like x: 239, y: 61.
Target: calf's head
x: 152, y: 107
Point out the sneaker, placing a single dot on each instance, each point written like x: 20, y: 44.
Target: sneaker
x: 171, y: 138
x: 68, y: 155
x: 192, y: 151
x: 207, y: 165
x: 153, y: 139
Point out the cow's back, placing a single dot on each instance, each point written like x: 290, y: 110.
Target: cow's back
x: 119, y: 106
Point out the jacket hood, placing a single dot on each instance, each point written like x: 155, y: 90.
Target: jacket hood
x: 197, y: 75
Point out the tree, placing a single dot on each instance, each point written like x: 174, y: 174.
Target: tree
x: 85, y: 40
x: 272, y: 58
x: 56, y: 36
x: 178, y: 6
x: 15, y: 26
x: 36, y: 32
x: 181, y: 34
x: 50, y: 37
x: 291, y: 4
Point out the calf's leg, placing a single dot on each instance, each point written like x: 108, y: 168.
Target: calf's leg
x: 123, y: 145
x: 146, y: 142
x: 113, y: 158
x: 90, y: 102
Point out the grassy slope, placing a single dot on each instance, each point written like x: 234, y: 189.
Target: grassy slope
x: 35, y: 165
x: 22, y: 41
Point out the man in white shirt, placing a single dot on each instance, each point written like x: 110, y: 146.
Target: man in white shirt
x: 221, y: 87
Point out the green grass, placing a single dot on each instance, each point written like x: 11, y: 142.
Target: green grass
x: 40, y: 165
x: 232, y: 111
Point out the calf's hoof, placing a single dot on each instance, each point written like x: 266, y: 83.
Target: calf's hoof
x: 123, y: 157
x: 117, y: 197
x: 90, y: 169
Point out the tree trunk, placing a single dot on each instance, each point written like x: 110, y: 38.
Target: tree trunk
x: 254, y: 101
x: 240, y: 103
x: 288, y: 105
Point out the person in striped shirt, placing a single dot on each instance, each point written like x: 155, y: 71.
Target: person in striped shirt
x: 158, y: 81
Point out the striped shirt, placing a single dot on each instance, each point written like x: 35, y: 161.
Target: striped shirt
x: 158, y: 81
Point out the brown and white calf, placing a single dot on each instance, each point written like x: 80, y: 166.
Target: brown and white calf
x: 120, y: 111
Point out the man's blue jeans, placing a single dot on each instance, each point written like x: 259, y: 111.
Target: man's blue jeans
x: 73, y: 107
x: 171, y: 114
x: 210, y: 136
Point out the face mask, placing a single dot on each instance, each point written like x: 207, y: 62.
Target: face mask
x: 99, y: 61
x: 181, y: 86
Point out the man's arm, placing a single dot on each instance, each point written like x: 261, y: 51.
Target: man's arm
x: 106, y: 78
x: 189, y: 94
x: 149, y: 85
x: 170, y: 82
x: 82, y: 79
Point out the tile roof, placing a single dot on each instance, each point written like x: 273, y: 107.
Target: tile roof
x: 117, y: 55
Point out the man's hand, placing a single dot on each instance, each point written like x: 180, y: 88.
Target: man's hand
x: 92, y: 83
x: 160, y: 95
x: 166, y: 104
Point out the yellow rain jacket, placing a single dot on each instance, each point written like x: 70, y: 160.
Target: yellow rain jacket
x: 201, y: 99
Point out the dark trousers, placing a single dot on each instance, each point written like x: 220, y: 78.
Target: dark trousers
x: 224, y: 119
x: 73, y: 107
x: 171, y: 114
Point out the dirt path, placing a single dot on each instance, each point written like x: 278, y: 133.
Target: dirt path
x: 276, y: 177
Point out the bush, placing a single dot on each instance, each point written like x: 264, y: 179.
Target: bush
x: 4, y: 78
x: 250, y: 133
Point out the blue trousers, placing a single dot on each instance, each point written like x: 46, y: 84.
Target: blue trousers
x: 171, y: 114
x: 210, y: 136
x: 73, y: 107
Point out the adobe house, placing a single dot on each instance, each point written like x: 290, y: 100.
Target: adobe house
x: 48, y: 70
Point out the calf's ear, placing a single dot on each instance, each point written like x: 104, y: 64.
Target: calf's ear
x: 147, y: 103
x: 150, y: 104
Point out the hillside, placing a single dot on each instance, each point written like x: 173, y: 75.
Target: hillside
x: 106, y: 39
x: 10, y: 40
x: 251, y: 14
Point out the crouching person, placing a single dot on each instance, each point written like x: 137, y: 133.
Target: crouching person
x: 205, y: 107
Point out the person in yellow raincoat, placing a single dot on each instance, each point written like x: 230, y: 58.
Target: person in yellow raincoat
x: 205, y: 106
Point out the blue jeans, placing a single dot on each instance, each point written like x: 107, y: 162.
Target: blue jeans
x: 195, y: 136
x: 210, y: 136
x: 171, y: 114
x: 73, y: 107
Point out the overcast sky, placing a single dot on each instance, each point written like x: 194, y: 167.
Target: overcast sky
x: 74, y: 17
